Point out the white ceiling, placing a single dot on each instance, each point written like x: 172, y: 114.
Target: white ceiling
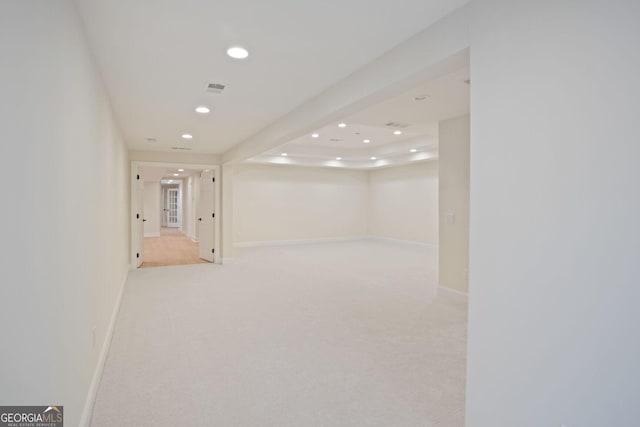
x: 444, y: 97
x: 157, y: 56
x: 157, y: 174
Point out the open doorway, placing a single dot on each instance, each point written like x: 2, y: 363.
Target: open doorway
x: 174, y: 214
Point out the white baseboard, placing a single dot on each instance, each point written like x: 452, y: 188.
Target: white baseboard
x: 152, y: 234
x: 410, y: 242
x: 85, y: 419
x: 193, y: 238
x: 226, y: 261
x: 453, y: 293
x: 295, y: 242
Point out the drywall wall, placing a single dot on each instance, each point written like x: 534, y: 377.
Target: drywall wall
x: 403, y: 202
x: 276, y: 203
x: 67, y: 249
x: 152, y: 209
x: 555, y: 241
x: 453, y: 152
x: 188, y: 212
x: 174, y: 157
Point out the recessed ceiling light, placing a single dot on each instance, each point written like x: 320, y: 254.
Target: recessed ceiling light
x: 374, y: 158
x: 180, y: 170
x: 176, y: 174
x: 413, y: 150
x: 315, y: 135
x: 338, y: 158
x: 366, y: 141
x: 237, y: 52
x: 397, y: 132
x: 202, y: 109
x: 284, y: 154
x: 187, y: 136
x: 342, y: 125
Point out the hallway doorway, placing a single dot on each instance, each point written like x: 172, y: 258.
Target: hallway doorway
x: 173, y: 214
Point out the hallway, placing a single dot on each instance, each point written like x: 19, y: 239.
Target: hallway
x: 171, y: 248
x: 300, y: 335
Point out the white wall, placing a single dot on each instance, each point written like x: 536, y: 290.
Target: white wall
x: 453, y: 155
x: 296, y: 203
x: 66, y: 222
x: 152, y: 209
x: 555, y: 200
x: 189, y: 204
x: 403, y: 203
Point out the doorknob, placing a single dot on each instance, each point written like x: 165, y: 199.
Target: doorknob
x: 199, y: 219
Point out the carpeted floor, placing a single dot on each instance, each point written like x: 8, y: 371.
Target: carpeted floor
x: 336, y: 334
x: 171, y: 248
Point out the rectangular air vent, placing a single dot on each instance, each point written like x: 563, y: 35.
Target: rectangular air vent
x: 215, y: 87
x: 396, y: 125
x: 181, y: 148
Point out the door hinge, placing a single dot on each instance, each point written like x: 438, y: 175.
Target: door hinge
x: 213, y: 251
x: 213, y: 179
x: 137, y: 216
x: 138, y: 255
x: 138, y: 176
x: 213, y: 215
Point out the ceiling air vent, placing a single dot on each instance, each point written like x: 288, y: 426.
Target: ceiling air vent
x: 215, y: 87
x: 181, y: 148
x: 396, y: 125
x: 335, y: 139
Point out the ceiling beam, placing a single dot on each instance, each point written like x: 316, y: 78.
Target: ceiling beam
x: 438, y: 49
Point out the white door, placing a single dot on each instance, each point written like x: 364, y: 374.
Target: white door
x: 207, y: 216
x: 172, y: 207
x: 140, y: 223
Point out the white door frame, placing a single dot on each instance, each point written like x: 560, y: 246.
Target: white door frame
x: 135, y: 170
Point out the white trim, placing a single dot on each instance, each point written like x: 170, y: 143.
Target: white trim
x: 226, y: 261
x: 410, y: 242
x: 152, y: 234
x: 136, y: 164
x: 295, y: 242
x: 87, y: 411
x: 193, y: 238
x: 453, y: 293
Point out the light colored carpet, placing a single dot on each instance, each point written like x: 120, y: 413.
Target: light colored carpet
x: 339, y: 334
x: 171, y: 248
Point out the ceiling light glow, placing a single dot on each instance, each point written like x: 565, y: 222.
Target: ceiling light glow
x: 366, y: 141
x: 338, y: 158
x: 176, y: 174
x: 342, y: 125
x: 237, y: 52
x: 284, y: 154
x: 374, y: 158
x: 180, y: 170
x: 203, y: 109
x: 397, y: 132
x: 187, y: 136
x: 413, y: 150
x: 315, y: 135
